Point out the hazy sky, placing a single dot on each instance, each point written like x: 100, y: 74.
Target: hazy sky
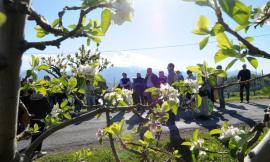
x: 156, y: 23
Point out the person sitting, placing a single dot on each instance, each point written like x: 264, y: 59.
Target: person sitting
x: 125, y: 82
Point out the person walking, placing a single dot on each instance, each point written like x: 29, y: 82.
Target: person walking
x: 151, y: 80
x: 138, y: 88
x: 220, y: 82
x: 125, y: 82
x: 244, y: 77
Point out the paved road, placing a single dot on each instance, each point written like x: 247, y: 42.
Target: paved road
x: 84, y: 134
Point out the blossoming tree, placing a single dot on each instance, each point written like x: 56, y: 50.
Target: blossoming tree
x: 13, y: 16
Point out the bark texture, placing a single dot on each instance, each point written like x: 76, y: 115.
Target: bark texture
x: 11, y: 37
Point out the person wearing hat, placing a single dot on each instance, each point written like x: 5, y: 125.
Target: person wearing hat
x: 244, y: 77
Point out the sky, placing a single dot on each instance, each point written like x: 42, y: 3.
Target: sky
x: 156, y: 23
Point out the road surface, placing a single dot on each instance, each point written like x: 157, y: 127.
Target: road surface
x: 84, y: 134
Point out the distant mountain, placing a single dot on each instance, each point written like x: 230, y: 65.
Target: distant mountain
x: 114, y: 74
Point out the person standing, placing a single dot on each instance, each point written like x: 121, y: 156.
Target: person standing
x: 162, y: 78
x: 190, y: 75
x: 138, y: 87
x: 220, y: 82
x: 89, y: 94
x: 125, y: 82
x: 39, y: 106
x: 179, y: 75
x: 151, y: 80
x: 171, y: 74
x: 244, y: 77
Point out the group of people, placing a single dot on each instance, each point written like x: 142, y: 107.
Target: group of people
x: 139, y: 84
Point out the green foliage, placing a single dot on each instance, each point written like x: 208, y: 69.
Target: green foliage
x: 3, y: 18
x: 105, y: 20
x: 253, y: 61
x: 202, y: 26
x: 40, y: 32
x: 236, y: 10
x: 204, y: 42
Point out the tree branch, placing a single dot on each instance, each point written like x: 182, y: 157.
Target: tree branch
x: 252, y: 50
x: 76, y: 32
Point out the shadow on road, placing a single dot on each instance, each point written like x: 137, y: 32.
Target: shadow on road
x: 241, y: 107
x: 258, y: 105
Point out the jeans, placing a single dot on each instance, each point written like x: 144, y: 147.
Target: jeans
x: 246, y: 86
x: 221, y: 98
x: 91, y: 100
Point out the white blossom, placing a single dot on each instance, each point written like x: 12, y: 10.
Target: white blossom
x: 237, y: 138
x: 230, y: 132
x: 154, y: 126
x: 100, y: 133
x: 193, y: 84
x: 260, y: 15
x: 128, y: 96
x: 123, y: 11
x: 87, y: 70
x: 202, y: 153
x: 197, y: 144
x: 169, y: 92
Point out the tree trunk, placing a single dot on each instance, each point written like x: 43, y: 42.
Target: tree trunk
x: 261, y: 152
x: 11, y: 37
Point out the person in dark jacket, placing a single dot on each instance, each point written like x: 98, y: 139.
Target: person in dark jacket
x: 125, y: 82
x: 151, y: 80
x: 244, y: 77
x: 162, y: 78
x: 39, y: 107
x: 138, y: 88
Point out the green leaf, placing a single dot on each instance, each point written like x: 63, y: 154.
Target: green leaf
x: 121, y: 124
x: 203, y: 23
x: 73, y: 26
x: 36, y: 128
x: 199, y: 32
x: 219, y: 56
x: 67, y: 116
x: 3, y: 18
x: 225, y: 125
x: 215, y: 131
x: 231, y: 64
x: 195, y: 69
x: 35, y: 61
x: 72, y: 82
x: 204, y: 42
x: 196, y: 135
x: 40, y: 32
x: 173, y: 107
x: 95, y: 39
x: 165, y: 106
x: 100, y: 78
x: 240, y: 27
x: 223, y: 41
x: 43, y: 67
x: 186, y: 143
x: 64, y: 104
x: 41, y: 90
x: 253, y: 61
x: 148, y: 136
x: 199, y: 100
x: 236, y: 10
x: 218, y: 28
x: 55, y: 22
x: 105, y: 20
x: 203, y: 2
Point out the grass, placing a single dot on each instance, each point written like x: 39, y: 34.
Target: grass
x: 102, y: 153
